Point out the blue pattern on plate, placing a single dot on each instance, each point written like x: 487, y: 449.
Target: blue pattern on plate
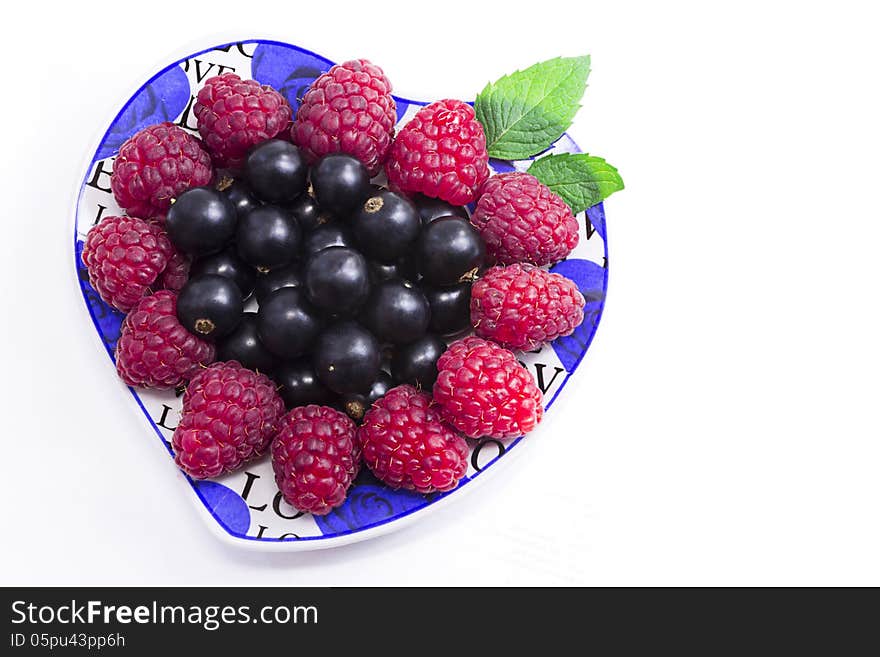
x: 586, y: 274
x: 106, y: 317
x: 501, y: 166
x: 596, y: 215
x: 370, y: 502
x: 402, y: 106
x: 591, y: 280
x: 226, y: 506
x: 162, y: 99
x: 291, y: 70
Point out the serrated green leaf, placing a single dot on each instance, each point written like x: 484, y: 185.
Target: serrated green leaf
x: 525, y: 112
x: 581, y: 180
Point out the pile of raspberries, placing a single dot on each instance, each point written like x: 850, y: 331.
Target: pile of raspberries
x: 410, y: 436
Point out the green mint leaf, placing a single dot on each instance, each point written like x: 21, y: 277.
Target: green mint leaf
x: 525, y: 112
x: 581, y: 180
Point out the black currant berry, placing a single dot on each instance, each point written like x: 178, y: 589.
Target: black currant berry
x: 266, y: 284
x: 201, y: 221
x: 268, y: 237
x: 228, y: 264
x: 240, y: 196
x: 307, y: 212
x: 244, y: 345
x: 416, y: 362
x: 299, y: 385
x: 332, y: 234
x: 210, y: 306
x: 287, y: 323
x: 450, y: 251
x: 276, y: 171
x: 341, y: 183
x: 408, y: 267
x: 357, y: 404
x: 347, y: 358
x: 450, y: 308
x: 381, y: 272
x: 385, y: 226
x: 433, y: 208
x: 337, y: 280
x: 396, y: 312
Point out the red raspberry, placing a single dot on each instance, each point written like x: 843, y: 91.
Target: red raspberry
x: 176, y: 272
x: 235, y: 114
x: 349, y: 109
x: 156, y: 165
x: 407, y: 445
x: 154, y: 349
x: 441, y: 153
x: 316, y: 457
x: 523, y: 306
x: 230, y: 415
x: 521, y: 220
x: 124, y: 257
x: 483, y: 391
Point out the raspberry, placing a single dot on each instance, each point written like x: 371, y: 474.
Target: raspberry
x: 154, y: 350
x: 315, y: 456
x: 154, y: 166
x: 521, y: 220
x: 483, y: 391
x: 230, y: 415
x: 176, y: 272
x: 407, y: 445
x: 523, y: 306
x: 441, y: 153
x: 349, y: 109
x: 235, y: 114
x: 124, y: 257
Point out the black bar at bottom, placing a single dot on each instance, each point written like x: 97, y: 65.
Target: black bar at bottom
x: 418, y: 621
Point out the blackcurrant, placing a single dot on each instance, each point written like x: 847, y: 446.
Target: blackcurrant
x: 385, y: 226
x: 450, y: 251
x: 337, y: 280
x: 268, y: 237
x: 381, y: 272
x: 341, y: 183
x: 450, y: 308
x: 287, y: 323
x: 347, y: 358
x: 241, y: 197
x: 307, y: 212
x: 357, y: 404
x: 227, y: 263
x: 244, y: 345
x: 201, y: 221
x: 266, y: 284
x: 396, y: 312
x: 433, y: 208
x: 276, y: 171
x: 210, y: 306
x: 416, y: 362
x: 299, y: 385
x: 332, y: 234
x: 408, y: 267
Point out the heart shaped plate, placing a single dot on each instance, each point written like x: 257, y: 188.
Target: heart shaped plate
x: 245, y: 507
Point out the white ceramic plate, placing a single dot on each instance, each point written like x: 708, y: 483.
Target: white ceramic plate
x: 245, y: 507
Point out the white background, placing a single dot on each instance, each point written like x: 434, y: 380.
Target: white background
x: 723, y: 429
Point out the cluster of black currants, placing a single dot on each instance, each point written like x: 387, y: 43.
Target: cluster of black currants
x: 356, y: 286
